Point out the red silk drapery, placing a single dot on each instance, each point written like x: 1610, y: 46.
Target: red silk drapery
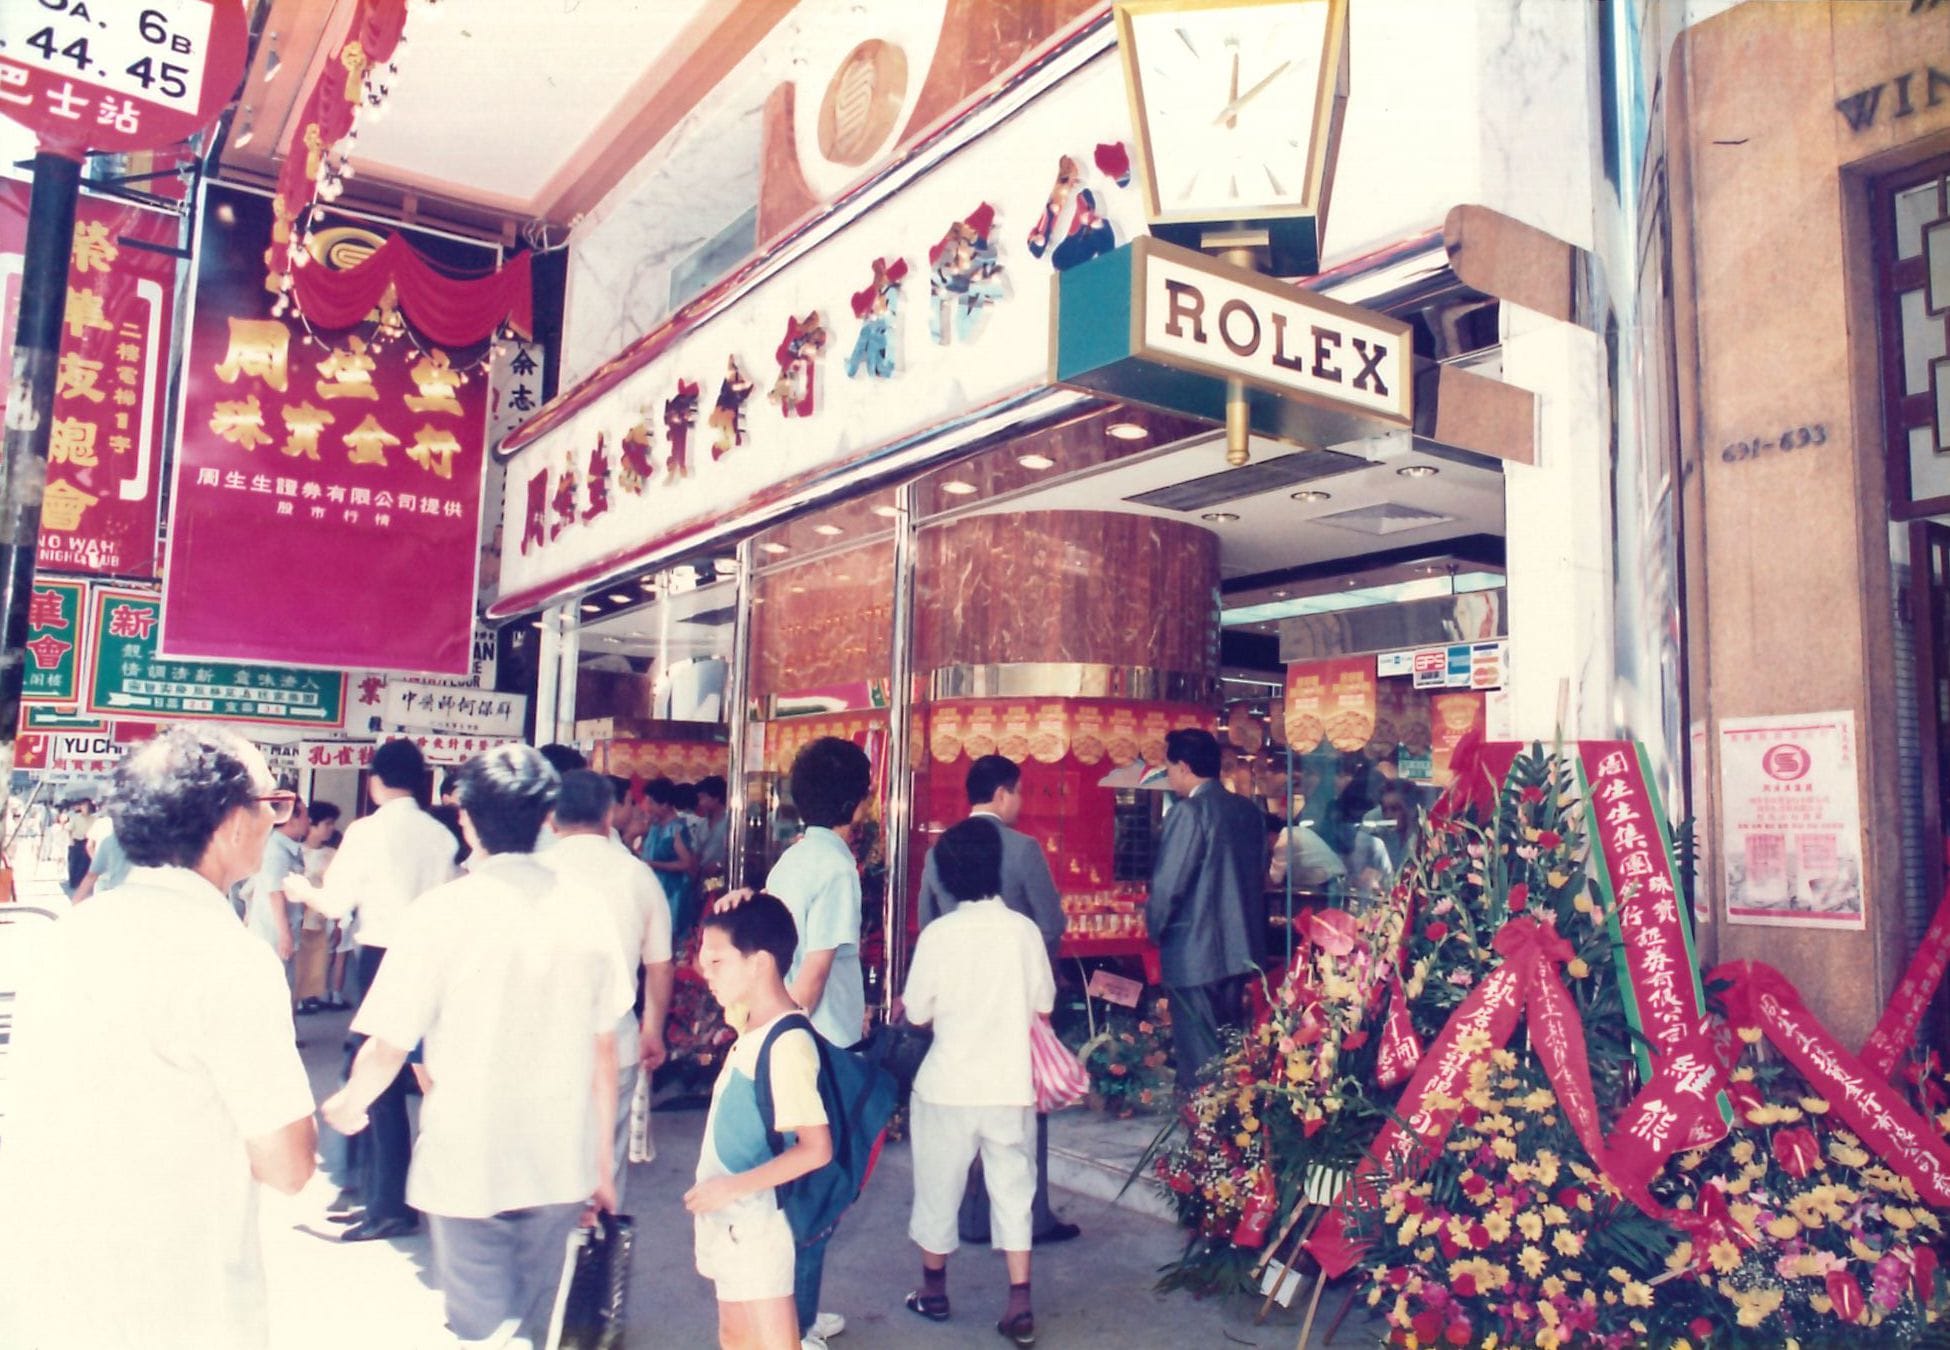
x: 452, y: 311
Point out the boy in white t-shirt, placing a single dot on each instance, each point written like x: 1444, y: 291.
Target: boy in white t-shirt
x: 744, y: 1244
x: 980, y: 975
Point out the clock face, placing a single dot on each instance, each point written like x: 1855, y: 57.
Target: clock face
x: 1227, y: 94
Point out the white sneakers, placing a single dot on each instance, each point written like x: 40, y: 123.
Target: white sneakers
x: 824, y: 1327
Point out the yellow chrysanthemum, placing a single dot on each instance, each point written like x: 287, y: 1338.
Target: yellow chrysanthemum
x: 1567, y: 1242
x: 1638, y: 1295
x: 1814, y: 1106
x: 1724, y: 1256
x: 1532, y: 1260
x: 1504, y: 1147
x: 1756, y: 1306
x: 1531, y: 1226
x: 1552, y: 1287
x: 1497, y: 1226
x: 1785, y: 1228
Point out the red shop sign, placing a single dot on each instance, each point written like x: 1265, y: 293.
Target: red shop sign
x: 110, y: 76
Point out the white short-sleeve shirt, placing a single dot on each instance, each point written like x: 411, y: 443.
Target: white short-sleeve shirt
x: 980, y: 973
x: 153, y: 1036
x: 508, y: 983
x: 386, y: 861
x: 599, y: 872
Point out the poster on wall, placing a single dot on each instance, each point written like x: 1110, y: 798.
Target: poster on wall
x: 1333, y: 701
x: 105, y: 443
x: 354, y: 454
x: 1790, y: 815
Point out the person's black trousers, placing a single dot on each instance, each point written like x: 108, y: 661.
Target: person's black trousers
x: 389, y: 1139
x: 1199, y: 1012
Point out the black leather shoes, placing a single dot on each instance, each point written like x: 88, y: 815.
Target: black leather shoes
x: 1055, y: 1233
x: 384, y: 1228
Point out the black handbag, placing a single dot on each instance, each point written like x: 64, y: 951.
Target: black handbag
x: 899, y: 1049
x: 599, y: 1286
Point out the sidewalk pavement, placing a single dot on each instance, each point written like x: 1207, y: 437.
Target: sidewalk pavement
x: 1093, y: 1292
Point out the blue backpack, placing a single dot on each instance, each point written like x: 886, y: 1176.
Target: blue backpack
x: 860, y: 1098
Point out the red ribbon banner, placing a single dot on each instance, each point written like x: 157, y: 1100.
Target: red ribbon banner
x: 1762, y: 997
x: 1896, y: 1031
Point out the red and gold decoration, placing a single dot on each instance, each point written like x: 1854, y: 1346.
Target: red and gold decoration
x: 104, y: 471
x: 306, y: 454
x: 1587, y: 1152
x: 679, y: 761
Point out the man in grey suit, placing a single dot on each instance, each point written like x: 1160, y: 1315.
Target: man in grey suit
x: 995, y: 794
x: 1206, y: 910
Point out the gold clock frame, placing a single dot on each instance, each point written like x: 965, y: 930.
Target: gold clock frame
x: 1330, y: 106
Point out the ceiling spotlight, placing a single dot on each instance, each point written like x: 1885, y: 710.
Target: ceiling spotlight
x: 1419, y: 471
x: 247, y: 132
x: 775, y: 548
x: 1310, y: 495
x: 1127, y: 431
x: 828, y: 530
x: 959, y: 488
x: 1038, y: 462
x: 621, y: 598
x: 592, y: 609
x: 1279, y: 595
x: 1218, y: 517
x: 887, y: 512
x: 796, y: 590
x: 272, y: 61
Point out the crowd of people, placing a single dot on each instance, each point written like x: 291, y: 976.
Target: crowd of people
x: 510, y: 948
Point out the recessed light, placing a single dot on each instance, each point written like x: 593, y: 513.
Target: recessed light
x: 843, y: 577
x: 775, y: 548
x: 1037, y: 462
x: 1218, y: 517
x: 592, y: 609
x: 535, y: 624
x: 648, y: 580
x: 959, y: 488
x: 1419, y: 471
x: 886, y: 512
x: 1279, y: 595
x: 1127, y: 431
x: 796, y: 590
x: 621, y: 597
x: 828, y: 530
x: 1310, y: 495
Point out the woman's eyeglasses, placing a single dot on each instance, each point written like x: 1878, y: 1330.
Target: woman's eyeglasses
x: 282, y: 804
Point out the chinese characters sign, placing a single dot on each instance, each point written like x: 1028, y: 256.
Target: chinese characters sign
x: 128, y: 678
x: 433, y: 707
x: 343, y: 454
x: 54, y: 617
x: 105, y: 443
x: 1791, y: 812
x: 113, y: 77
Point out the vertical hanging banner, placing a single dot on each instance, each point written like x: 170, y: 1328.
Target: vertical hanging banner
x: 104, y: 470
x: 54, y: 645
x: 1665, y: 1000
x: 354, y: 453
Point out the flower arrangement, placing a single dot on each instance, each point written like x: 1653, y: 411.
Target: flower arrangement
x: 1505, y: 1229
x: 1128, y: 1056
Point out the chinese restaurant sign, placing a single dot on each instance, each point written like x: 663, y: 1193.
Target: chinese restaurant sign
x: 105, y: 446
x: 1791, y: 813
x: 344, y: 454
x: 127, y: 677
x: 54, y: 618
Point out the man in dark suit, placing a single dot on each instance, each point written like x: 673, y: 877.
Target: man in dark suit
x: 1206, y: 907
x: 995, y: 794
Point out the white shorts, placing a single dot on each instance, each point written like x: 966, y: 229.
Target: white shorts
x: 747, y: 1258
x: 945, y: 1141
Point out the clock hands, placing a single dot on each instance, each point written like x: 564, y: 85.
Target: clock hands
x: 1229, y: 114
x: 1232, y: 93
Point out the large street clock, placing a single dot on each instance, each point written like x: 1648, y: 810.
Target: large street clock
x: 1237, y: 108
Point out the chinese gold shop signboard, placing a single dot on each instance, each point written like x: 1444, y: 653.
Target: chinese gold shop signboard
x: 354, y: 455
x: 1165, y: 326
x: 105, y: 443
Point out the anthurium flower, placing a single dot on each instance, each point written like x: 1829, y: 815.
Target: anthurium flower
x: 1846, y: 1293
x: 1797, y: 1151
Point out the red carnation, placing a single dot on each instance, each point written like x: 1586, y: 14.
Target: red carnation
x: 1846, y: 1291
x: 1479, y: 1237
x: 1519, y: 895
x: 1568, y: 1197
x: 1797, y: 1152
x: 1427, y: 1325
x: 1436, y: 931
x: 1549, y: 839
x: 1464, y: 1285
x: 1699, y: 1328
x: 1474, y: 1185
x: 1458, y: 1332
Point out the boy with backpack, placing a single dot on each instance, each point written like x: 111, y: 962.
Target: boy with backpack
x: 980, y: 975
x: 768, y: 1125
